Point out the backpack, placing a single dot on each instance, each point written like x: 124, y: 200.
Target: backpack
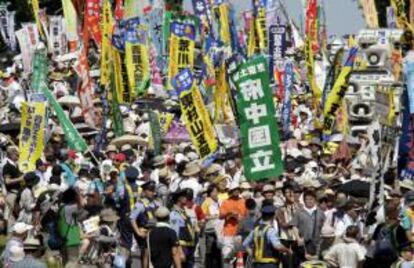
x: 386, y: 244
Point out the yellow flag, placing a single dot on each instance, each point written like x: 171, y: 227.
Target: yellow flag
x: 262, y: 29
x: 310, y: 71
x: 119, y: 83
x: 106, y: 54
x: 32, y: 134
x: 35, y: 5
x: 223, y: 12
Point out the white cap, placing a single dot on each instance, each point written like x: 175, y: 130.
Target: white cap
x: 21, y: 227
x: 16, y: 253
x: 180, y: 158
x: 234, y: 186
x: 192, y: 156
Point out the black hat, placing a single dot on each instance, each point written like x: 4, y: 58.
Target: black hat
x: 31, y: 178
x: 268, y: 209
x: 131, y: 173
x: 179, y: 193
x: 149, y: 185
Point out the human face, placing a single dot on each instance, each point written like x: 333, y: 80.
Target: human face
x: 290, y: 196
x: 149, y: 193
x: 214, y: 194
x: 310, y: 201
x: 235, y: 193
x: 222, y: 185
x: 268, y: 195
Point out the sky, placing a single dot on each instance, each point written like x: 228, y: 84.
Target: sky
x: 343, y: 16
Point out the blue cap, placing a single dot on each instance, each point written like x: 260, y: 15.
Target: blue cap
x: 131, y: 173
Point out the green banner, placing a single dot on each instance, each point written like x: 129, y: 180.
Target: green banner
x: 73, y: 138
x: 118, y: 123
x: 256, y: 113
x: 39, y: 69
x: 155, y: 131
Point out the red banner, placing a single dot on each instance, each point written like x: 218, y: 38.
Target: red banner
x: 85, y: 90
x: 91, y: 22
x: 311, y: 26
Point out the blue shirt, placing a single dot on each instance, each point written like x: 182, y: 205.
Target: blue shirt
x: 271, y: 236
x: 176, y: 221
x: 140, y: 208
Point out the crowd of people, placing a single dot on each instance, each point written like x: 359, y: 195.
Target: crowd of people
x: 169, y: 209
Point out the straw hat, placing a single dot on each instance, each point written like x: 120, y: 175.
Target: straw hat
x: 191, y: 169
x: 162, y: 212
x: 214, y: 168
x: 158, y: 161
x: 407, y: 184
x: 268, y: 188
x: 111, y: 148
x: 31, y: 243
x: 220, y: 178
x: 234, y: 186
x: 245, y: 185
x: 165, y: 173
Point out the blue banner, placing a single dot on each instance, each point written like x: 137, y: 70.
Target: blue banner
x: 288, y: 83
x: 409, y: 78
x: 277, y: 48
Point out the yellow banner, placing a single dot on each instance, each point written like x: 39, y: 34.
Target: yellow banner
x: 137, y: 65
x: 370, y: 13
x: 35, y: 6
x: 197, y: 121
x: 401, y: 15
x: 223, y: 11
x: 32, y: 134
x: 119, y: 83
x: 262, y: 29
x: 165, y: 121
x: 251, y: 39
x: 106, y: 54
x: 220, y: 96
x: 70, y: 20
x: 335, y: 97
x: 310, y: 71
x: 181, y: 56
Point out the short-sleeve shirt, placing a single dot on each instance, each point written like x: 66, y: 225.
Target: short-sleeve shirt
x: 231, y: 205
x: 13, y: 171
x: 166, y: 238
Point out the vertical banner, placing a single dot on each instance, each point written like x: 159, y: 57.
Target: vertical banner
x: 32, y: 134
x: 277, y: 49
x: 202, y: 9
x: 258, y: 128
x: 155, y: 32
x: 118, y: 123
x: 118, y: 79
x: 85, y: 89
x: 91, y: 22
x: 196, y: 117
x: 36, y: 10
x: 409, y: 79
x: 57, y: 43
x: 28, y: 38
x: 135, y: 8
x: 70, y: 23
x: 7, y: 26
x: 311, y: 27
x: 391, y: 20
x: 310, y: 71
x: 40, y: 69
x: 288, y: 85
x: 335, y: 97
x: 400, y: 14
x: 136, y: 57
x: 370, y: 13
x: 106, y: 53
x: 260, y: 23
x: 182, y: 42
x: 73, y: 138
x: 223, y: 13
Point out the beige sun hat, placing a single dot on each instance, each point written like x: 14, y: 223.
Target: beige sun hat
x: 191, y: 169
x: 214, y: 168
x: 162, y: 212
